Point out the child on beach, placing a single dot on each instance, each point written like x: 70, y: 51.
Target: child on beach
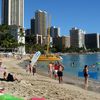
x: 34, y: 69
x: 85, y: 71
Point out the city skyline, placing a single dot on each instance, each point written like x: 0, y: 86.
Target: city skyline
x: 66, y: 14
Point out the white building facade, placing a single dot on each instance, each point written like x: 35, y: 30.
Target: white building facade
x: 77, y: 37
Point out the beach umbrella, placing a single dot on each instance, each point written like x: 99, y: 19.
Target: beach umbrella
x: 9, y: 97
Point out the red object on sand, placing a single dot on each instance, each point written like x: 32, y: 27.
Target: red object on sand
x: 2, y: 90
x: 38, y: 99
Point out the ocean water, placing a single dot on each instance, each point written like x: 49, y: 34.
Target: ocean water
x: 73, y: 63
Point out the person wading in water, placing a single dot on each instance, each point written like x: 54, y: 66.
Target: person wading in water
x: 85, y: 71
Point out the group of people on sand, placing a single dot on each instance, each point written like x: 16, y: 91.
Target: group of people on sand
x: 30, y: 68
x: 56, y: 70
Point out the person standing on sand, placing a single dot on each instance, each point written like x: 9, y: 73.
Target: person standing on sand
x: 56, y: 67
x: 60, y: 73
x: 29, y: 67
x: 34, y: 69
x: 50, y: 69
x: 85, y: 71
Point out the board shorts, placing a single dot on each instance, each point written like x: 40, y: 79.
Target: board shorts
x: 60, y: 73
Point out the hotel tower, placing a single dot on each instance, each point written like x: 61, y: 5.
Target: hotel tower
x: 13, y: 12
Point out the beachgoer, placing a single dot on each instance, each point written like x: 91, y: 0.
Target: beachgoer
x: 85, y: 71
x: 93, y: 65
x: 10, y: 77
x: 34, y: 69
x: 50, y: 67
x: 60, y: 73
x: 73, y: 64
x: 2, y: 68
x: 56, y: 67
x: 53, y: 71
x: 97, y: 68
x: 29, y: 67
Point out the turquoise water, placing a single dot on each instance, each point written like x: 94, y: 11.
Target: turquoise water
x: 79, y: 62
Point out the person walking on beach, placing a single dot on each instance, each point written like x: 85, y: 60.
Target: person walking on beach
x: 85, y: 71
x: 60, y: 73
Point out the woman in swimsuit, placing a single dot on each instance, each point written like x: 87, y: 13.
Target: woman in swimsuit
x: 85, y: 71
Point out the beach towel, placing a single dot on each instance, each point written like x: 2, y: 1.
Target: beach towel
x: 38, y: 99
x: 8, y: 97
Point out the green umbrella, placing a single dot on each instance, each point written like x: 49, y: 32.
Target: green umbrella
x: 9, y: 97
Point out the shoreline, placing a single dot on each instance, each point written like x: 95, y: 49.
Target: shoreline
x: 76, y: 81
x: 75, y: 53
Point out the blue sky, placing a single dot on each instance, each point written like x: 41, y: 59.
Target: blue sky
x: 84, y: 14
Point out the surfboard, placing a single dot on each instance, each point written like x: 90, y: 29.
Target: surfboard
x: 35, y: 57
x: 93, y: 75
x: 98, y: 63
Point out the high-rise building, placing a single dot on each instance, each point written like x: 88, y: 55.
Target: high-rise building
x: 77, y: 38
x: 61, y: 42
x: 54, y: 32
x: 13, y: 12
x: 33, y: 26
x: 57, y: 32
x: 67, y: 41
x: 92, y: 40
x: 27, y: 32
x: 41, y: 23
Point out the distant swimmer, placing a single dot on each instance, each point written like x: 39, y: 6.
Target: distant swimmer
x: 73, y: 64
x: 93, y: 65
x: 97, y: 69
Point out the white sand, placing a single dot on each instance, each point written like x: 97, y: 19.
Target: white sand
x: 41, y: 86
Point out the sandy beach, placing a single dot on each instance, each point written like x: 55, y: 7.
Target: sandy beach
x: 42, y: 86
